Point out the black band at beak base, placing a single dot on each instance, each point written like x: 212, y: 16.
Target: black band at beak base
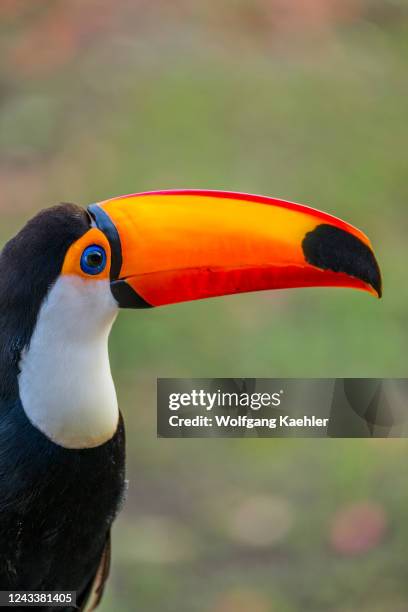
x: 125, y: 296
x: 106, y: 226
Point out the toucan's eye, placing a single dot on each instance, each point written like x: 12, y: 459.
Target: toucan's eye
x: 93, y: 260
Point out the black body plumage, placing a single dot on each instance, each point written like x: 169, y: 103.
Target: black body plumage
x: 56, y: 505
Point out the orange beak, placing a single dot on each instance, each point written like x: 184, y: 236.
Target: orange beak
x: 175, y: 246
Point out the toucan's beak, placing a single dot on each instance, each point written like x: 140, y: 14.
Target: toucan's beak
x: 174, y: 246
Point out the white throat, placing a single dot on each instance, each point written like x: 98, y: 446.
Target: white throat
x: 65, y: 381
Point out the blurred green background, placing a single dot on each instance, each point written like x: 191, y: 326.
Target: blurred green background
x: 305, y: 100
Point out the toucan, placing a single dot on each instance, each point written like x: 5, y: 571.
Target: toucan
x: 63, y: 279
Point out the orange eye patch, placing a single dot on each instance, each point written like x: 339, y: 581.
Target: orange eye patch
x: 89, y: 257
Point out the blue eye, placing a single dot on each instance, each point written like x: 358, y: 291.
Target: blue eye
x: 93, y: 260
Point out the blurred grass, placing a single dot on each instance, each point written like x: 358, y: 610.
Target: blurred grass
x: 317, y: 118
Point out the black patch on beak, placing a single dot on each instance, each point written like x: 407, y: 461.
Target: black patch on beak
x: 331, y: 248
x: 126, y: 297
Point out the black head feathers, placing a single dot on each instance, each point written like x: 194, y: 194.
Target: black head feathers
x: 29, y: 265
